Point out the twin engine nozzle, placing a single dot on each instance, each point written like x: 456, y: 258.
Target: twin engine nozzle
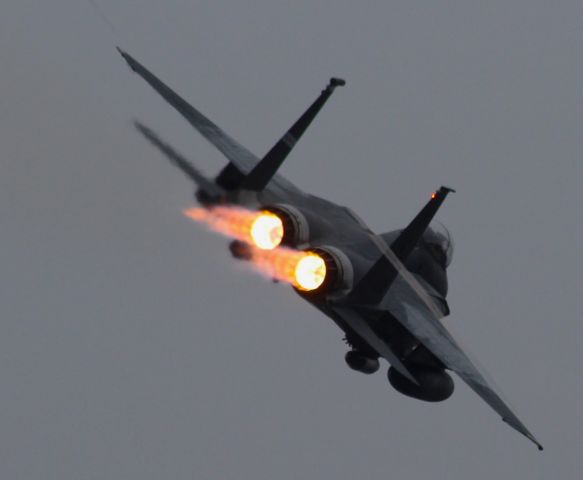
x: 323, y: 269
x: 338, y: 271
x: 279, y: 225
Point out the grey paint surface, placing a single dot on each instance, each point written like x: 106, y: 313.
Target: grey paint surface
x: 121, y: 358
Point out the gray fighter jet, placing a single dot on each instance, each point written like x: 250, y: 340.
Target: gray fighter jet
x: 386, y: 292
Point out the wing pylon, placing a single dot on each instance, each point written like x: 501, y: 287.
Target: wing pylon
x: 353, y: 317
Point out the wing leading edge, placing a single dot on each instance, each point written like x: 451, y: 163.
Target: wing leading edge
x: 251, y: 172
x: 236, y: 153
x: 410, y: 303
x: 403, y: 303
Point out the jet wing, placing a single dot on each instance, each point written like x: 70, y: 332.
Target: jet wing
x: 416, y: 310
x: 241, y: 158
x: 404, y: 303
x: 237, y: 154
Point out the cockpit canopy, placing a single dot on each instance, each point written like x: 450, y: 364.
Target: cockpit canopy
x: 439, y: 243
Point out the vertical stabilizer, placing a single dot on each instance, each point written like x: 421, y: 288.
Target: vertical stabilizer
x: 262, y: 173
x: 373, y: 286
x: 410, y: 235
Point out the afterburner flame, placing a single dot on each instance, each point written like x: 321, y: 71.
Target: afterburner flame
x: 310, y: 272
x: 267, y: 231
x: 263, y: 233
x: 304, y: 270
x: 262, y: 229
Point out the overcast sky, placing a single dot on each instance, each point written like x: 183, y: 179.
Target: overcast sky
x: 133, y: 347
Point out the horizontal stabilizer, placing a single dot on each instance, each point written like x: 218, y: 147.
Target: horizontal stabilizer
x: 178, y: 160
x: 262, y: 173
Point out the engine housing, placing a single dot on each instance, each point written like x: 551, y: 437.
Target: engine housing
x: 339, y: 270
x: 296, y: 229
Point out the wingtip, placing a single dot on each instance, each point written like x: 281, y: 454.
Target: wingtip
x: 535, y: 441
x: 530, y: 436
x: 127, y: 57
x: 526, y: 433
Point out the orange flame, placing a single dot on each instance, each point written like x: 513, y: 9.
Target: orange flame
x: 262, y: 229
x: 304, y: 270
x: 263, y: 232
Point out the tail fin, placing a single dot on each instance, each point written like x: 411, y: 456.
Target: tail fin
x: 259, y: 177
x: 244, y: 170
x: 371, y: 289
x: 407, y: 240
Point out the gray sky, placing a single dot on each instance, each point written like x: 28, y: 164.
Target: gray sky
x: 133, y: 347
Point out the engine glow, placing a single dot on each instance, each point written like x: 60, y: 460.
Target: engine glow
x: 267, y: 231
x: 310, y: 272
x: 262, y: 229
x: 263, y: 232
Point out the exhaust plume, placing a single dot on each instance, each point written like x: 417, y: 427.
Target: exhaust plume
x: 263, y: 232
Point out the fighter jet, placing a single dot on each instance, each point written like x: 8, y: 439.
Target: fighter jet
x: 386, y: 292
